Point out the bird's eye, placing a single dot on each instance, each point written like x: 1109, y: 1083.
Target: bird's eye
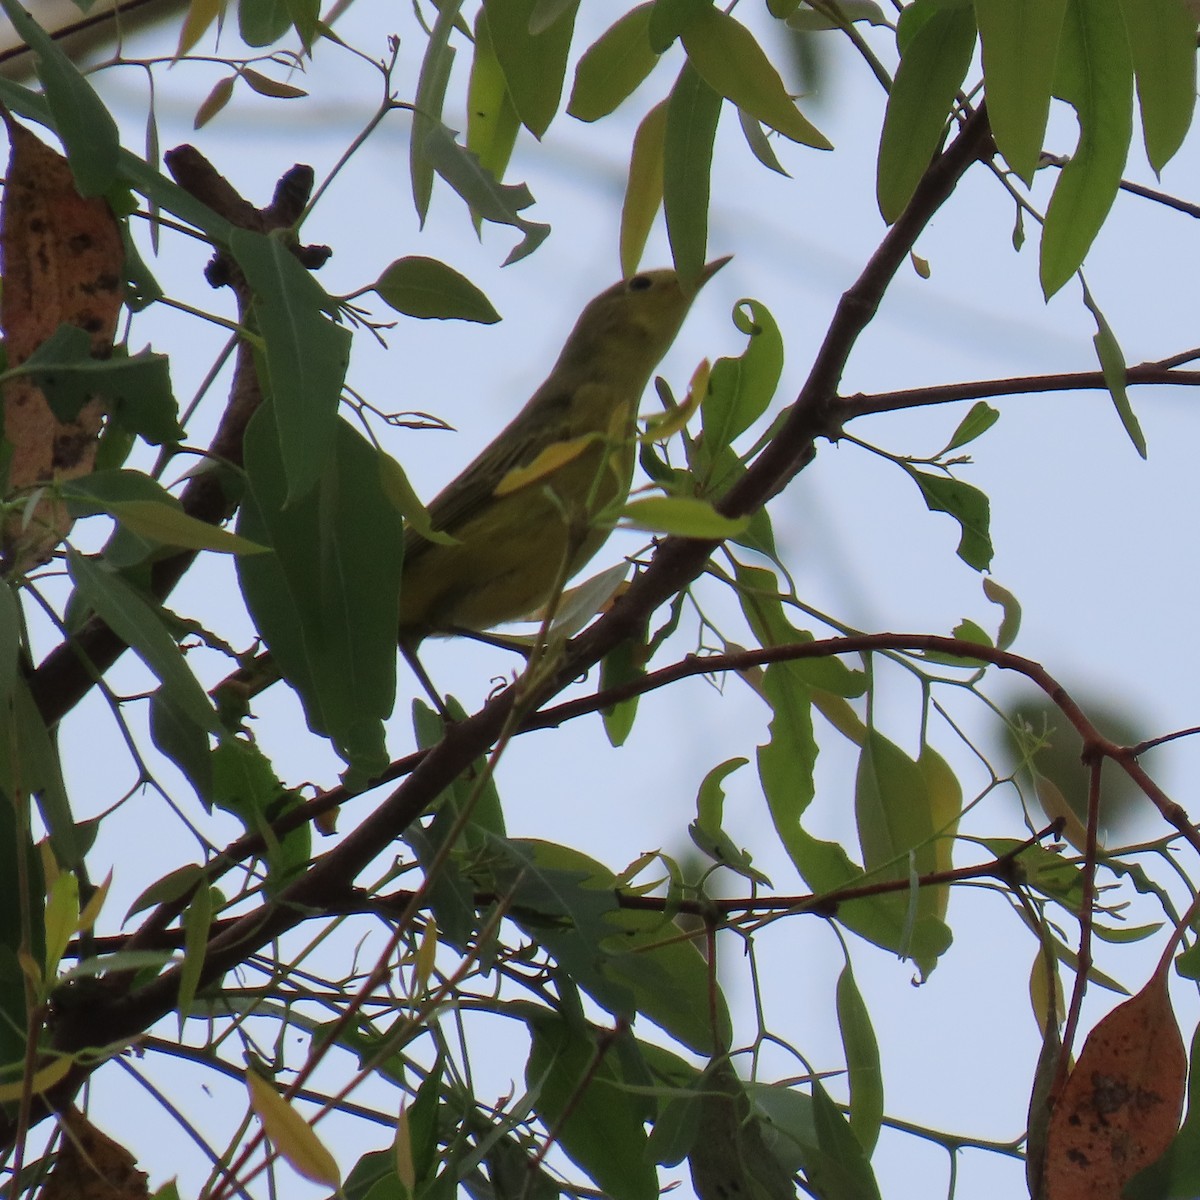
x: 639, y: 283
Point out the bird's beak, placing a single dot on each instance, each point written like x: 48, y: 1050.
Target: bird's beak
x: 711, y: 269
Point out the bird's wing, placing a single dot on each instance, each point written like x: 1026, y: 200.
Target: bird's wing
x: 517, y: 445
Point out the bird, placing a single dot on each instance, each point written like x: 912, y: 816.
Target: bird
x: 523, y: 515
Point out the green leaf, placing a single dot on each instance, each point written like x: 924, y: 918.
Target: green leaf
x: 305, y: 16
x: 486, y: 196
x: 326, y: 601
x: 968, y: 506
x: 613, y: 66
x: 806, y: 19
x: 669, y: 18
x: 306, y: 355
x: 150, y: 512
x: 626, y: 960
x: 169, y: 888
x: 141, y: 626
x: 61, y: 918
x: 451, y: 890
x: 739, y: 389
x: 492, y: 122
x: 930, y: 74
x: 475, y: 788
x: 733, y: 64
x: 534, y: 62
x: 553, y: 900
x: 432, y: 81
x: 1020, y: 48
x: 945, y: 809
x: 842, y: 1172
x: 1044, y: 870
x: 682, y: 516
x: 966, y: 631
x: 896, y: 830
x: 730, y: 1156
x: 976, y: 423
x: 22, y: 896
x: 785, y: 767
x: 426, y: 288
x: 168, y: 525
x: 1112, y: 365
x: 1095, y: 76
x: 184, y: 743
x: 764, y: 610
x: 692, y: 113
x: 862, y: 1061
x: 1162, y: 40
x: 374, y: 1170
x: 811, y: 1136
x: 579, y: 1093
x: 760, y: 144
x: 644, y: 188
x: 29, y: 765
x: 423, y: 1125
x: 11, y: 634
x: 263, y: 22
x: 1123, y: 936
x: 1010, y: 623
x: 245, y: 784
x: 404, y: 499
x: 706, y: 830
x: 137, y: 388
x: 88, y: 131
x: 197, y: 921
x: 624, y: 663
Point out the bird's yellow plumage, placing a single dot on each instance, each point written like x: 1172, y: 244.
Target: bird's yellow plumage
x: 523, y: 513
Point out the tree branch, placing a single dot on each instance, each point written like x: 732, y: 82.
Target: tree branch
x: 861, y: 405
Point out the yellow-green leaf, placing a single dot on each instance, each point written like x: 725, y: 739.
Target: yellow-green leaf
x: 170, y: 525
x: 692, y: 114
x: 534, y: 62
x: 1095, y: 76
x: 732, y: 63
x: 43, y: 1080
x: 613, y: 66
x: 644, y: 190
x: 1162, y: 39
x: 291, y: 1134
x: 931, y: 71
x: 1112, y: 364
x: 62, y: 918
x: 686, y: 516
x: 492, y: 121
x: 1020, y: 48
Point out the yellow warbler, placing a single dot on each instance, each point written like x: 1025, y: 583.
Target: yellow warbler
x: 523, y: 513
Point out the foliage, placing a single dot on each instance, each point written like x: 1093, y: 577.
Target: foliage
x: 368, y: 977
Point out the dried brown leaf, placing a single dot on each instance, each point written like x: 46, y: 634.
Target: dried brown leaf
x: 63, y: 263
x: 91, y: 1166
x: 1121, y: 1104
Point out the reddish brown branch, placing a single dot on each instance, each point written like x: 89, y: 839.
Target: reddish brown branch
x: 861, y: 405
x: 399, y: 905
